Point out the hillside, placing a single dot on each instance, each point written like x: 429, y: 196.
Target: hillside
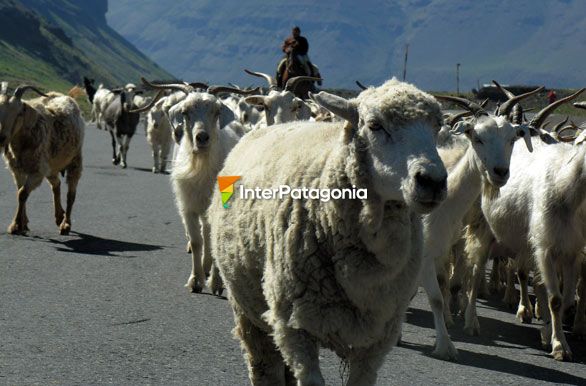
x: 54, y: 43
x: 520, y: 42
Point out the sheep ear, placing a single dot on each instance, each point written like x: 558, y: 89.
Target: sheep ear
x: 226, y: 115
x: 257, y: 100
x: 339, y: 106
x: 462, y: 127
x: 523, y: 132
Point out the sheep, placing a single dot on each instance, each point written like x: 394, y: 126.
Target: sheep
x: 39, y: 139
x: 339, y: 274
x: 281, y: 106
x: 485, y: 159
x: 537, y: 216
x: 210, y: 131
x: 159, y: 136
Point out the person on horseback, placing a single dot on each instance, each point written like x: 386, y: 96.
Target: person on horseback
x: 298, y: 46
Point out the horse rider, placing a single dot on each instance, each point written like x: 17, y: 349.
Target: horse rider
x: 298, y: 46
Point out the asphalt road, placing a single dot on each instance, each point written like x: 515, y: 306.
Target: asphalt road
x: 106, y: 305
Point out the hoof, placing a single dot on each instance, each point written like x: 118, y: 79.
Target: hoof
x: 154, y: 169
x: 473, y: 329
x: 15, y: 229
x: 193, y: 285
x: 524, y: 315
x: 64, y: 229
x: 115, y: 161
x: 446, y: 352
x: 562, y: 355
x: 123, y: 164
x: 188, y: 248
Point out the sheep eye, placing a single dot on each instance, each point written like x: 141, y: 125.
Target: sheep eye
x: 375, y: 126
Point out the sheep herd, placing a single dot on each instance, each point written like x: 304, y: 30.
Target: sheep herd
x: 445, y: 192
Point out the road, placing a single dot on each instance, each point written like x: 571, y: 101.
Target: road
x: 106, y: 304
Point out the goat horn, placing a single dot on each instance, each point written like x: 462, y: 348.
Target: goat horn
x: 484, y: 103
x: 556, y: 128
x: 221, y: 89
x: 506, y: 107
x: 453, y: 119
x: 568, y: 138
x: 360, y: 85
x: 540, y: 117
x: 150, y: 104
x: 473, y: 107
x: 291, y: 83
x: 167, y: 86
x: 20, y: 90
x: 271, y: 81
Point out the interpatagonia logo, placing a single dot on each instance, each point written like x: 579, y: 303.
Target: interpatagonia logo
x: 226, y: 184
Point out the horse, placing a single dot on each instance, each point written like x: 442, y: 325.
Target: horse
x: 290, y: 67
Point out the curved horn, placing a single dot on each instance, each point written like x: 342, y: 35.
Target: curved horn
x: 517, y: 114
x: 150, y: 104
x: 473, y: 107
x: 540, y: 117
x: 484, y: 103
x: 20, y: 90
x: 291, y: 83
x: 221, y: 89
x: 196, y: 85
x: 271, y: 81
x: 557, y: 127
x: 453, y: 119
x: 506, y: 107
x: 568, y: 138
x: 360, y: 85
x: 167, y: 86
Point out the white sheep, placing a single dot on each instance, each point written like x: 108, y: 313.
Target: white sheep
x: 159, y: 136
x: 305, y: 273
x: 538, y: 217
x: 41, y: 138
x: 210, y: 130
x: 484, y: 159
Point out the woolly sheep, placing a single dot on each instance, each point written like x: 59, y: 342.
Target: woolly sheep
x: 338, y: 274
x: 39, y: 139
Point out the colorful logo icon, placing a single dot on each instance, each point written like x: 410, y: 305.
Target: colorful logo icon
x: 226, y: 184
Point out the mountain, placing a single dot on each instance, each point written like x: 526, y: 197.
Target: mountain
x: 521, y: 42
x: 54, y: 43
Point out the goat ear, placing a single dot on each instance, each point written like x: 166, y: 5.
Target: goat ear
x: 257, y: 100
x: 226, y: 115
x: 524, y: 132
x: 339, y: 106
x: 462, y: 127
x: 580, y: 138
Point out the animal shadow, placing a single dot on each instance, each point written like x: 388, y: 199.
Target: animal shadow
x: 93, y: 245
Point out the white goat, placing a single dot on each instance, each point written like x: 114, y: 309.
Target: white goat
x: 281, y: 106
x: 41, y: 138
x: 305, y: 273
x: 539, y: 217
x: 210, y: 130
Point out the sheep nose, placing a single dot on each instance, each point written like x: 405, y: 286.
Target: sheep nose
x: 202, y: 138
x: 429, y: 183
x: 501, y: 172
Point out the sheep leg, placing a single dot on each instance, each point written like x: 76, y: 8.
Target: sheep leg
x: 124, y: 145
x: 73, y: 176
x: 196, y: 280
x: 300, y: 352
x: 494, y: 285
x: 55, y: 183
x: 525, y: 309
x: 265, y: 363
x: 444, y: 348
x: 19, y: 223
x: 365, y: 365
x: 115, y: 158
x: 560, y: 348
x: 471, y: 325
x: 442, y: 280
x: 580, y: 318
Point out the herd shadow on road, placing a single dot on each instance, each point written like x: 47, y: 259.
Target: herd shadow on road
x: 493, y: 333
x: 94, y: 245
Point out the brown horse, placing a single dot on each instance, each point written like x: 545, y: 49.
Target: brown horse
x: 290, y: 67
